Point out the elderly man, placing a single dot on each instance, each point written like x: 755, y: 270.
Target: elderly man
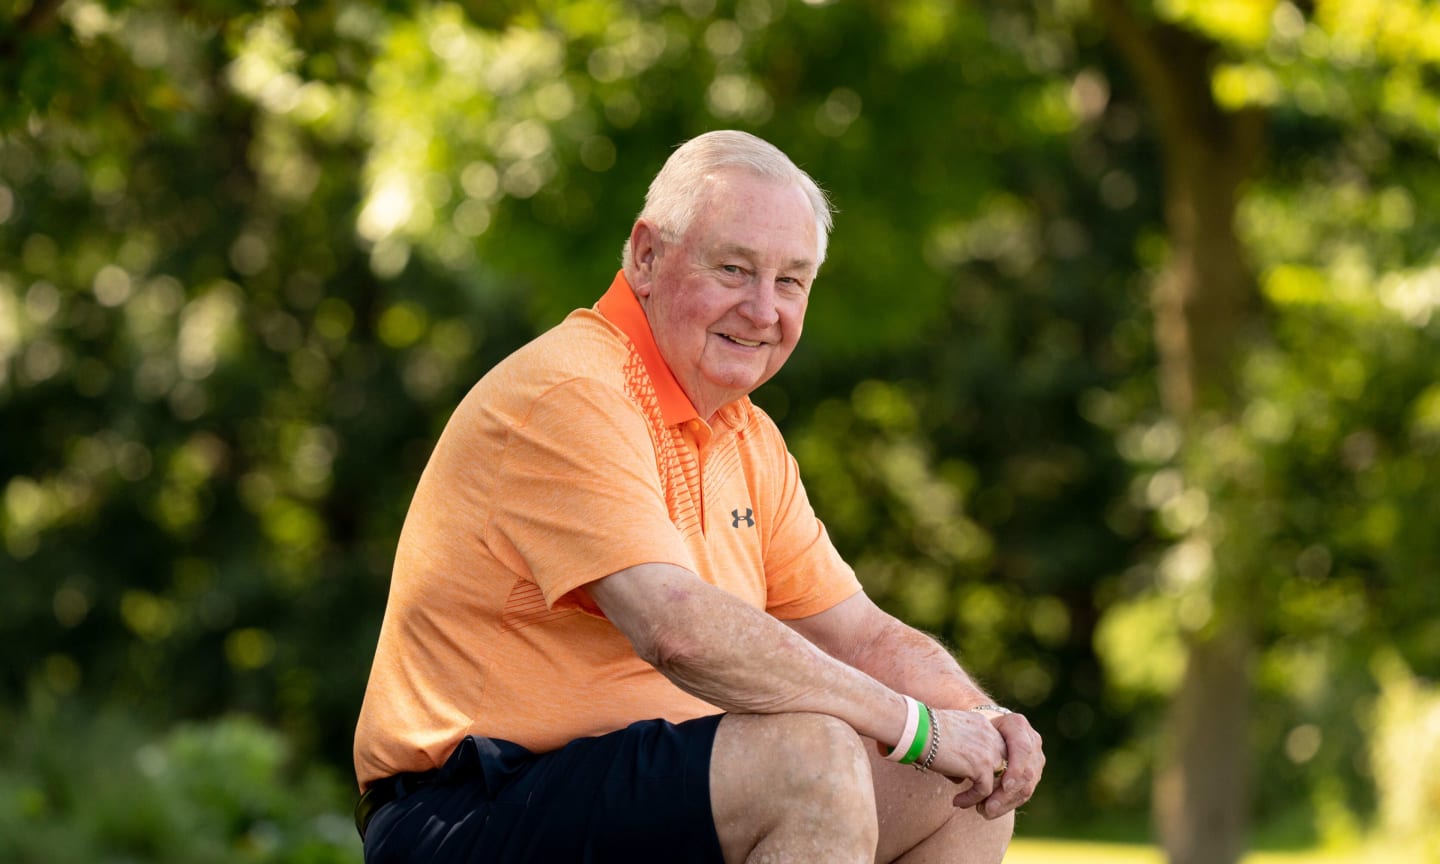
x: 616, y: 629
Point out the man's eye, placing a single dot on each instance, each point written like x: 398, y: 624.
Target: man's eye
x: 733, y: 269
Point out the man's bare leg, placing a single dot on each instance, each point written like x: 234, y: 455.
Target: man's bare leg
x: 792, y: 788
x: 920, y: 825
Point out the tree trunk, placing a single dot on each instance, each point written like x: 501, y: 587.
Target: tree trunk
x: 1206, y: 311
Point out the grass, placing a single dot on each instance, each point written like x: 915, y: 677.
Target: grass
x: 1043, y: 851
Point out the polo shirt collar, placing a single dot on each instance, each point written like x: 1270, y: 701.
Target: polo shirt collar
x: 622, y: 308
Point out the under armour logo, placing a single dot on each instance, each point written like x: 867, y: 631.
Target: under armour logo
x: 748, y: 516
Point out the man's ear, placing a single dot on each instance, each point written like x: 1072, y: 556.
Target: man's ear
x: 645, y: 248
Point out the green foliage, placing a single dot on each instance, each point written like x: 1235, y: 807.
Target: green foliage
x: 251, y: 256
x: 1307, y: 512
x: 103, y: 789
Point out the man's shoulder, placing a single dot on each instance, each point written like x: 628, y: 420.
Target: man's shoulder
x: 583, y: 346
x: 584, y: 339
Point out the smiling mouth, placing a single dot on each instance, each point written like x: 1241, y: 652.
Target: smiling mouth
x: 748, y: 343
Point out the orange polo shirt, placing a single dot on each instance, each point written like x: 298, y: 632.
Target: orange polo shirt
x: 576, y: 457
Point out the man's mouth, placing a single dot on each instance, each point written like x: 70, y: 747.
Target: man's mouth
x: 748, y: 343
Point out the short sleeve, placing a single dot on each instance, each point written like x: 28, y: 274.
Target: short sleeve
x: 579, y: 495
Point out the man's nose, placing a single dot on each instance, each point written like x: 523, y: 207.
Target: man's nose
x: 759, y: 307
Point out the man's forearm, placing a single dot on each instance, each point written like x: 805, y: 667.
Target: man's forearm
x: 915, y: 663
x: 738, y: 658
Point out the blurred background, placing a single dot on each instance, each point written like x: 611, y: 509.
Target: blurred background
x: 1120, y: 378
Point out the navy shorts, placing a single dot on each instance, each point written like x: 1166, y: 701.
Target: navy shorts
x: 639, y: 794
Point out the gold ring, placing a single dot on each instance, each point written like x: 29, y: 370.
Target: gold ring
x: 1004, y: 764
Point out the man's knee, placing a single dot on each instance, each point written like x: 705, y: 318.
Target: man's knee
x: 812, y: 756
x: 792, y: 772
x: 962, y: 836
x: 972, y: 829
x: 824, y: 757
x: 917, y: 813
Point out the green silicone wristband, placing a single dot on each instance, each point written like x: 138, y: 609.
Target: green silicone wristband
x: 922, y: 737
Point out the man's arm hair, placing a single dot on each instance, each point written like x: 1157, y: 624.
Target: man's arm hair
x: 908, y: 660
x: 713, y: 645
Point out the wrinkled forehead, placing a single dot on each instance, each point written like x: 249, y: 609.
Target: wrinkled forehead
x: 745, y: 211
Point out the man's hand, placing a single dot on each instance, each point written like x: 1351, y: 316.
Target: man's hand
x: 971, y: 750
x: 1025, y: 761
x: 974, y: 747
x: 973, y: 744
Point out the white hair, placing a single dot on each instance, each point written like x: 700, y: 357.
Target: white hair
x: 679, y: 190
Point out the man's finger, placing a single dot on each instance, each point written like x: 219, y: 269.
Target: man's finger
x: 1008, y: 795
x: 1022, y: 774
x: 979, y: 790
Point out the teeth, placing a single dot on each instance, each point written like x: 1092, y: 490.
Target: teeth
x: 746, y: 342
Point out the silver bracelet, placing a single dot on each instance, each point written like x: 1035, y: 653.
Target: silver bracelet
x: 922, y: 767
x: 998, y: 709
